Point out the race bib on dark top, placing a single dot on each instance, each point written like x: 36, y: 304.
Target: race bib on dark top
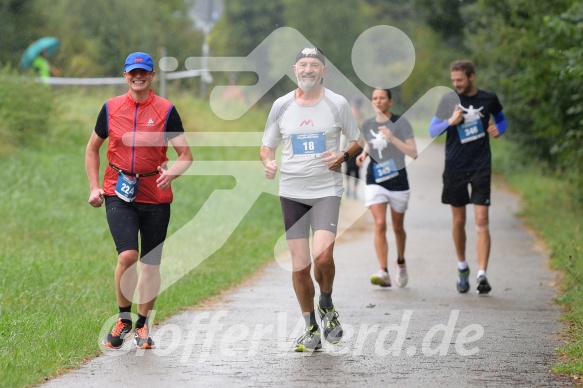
x: 126, y: 187
x: 384, y: 171
x: 308, y: 145
x: 470, y: 131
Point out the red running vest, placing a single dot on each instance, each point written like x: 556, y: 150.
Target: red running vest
x: 138, y: 144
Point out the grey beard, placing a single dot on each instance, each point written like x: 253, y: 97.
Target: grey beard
x: 307, y: 86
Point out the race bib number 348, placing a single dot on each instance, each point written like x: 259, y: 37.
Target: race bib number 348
x: 308, y: 145
x: 470, y: 131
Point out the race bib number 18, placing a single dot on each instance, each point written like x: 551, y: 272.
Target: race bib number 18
x: 308, y: 145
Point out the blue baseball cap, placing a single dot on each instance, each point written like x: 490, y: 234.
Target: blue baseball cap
x: 139, y: 60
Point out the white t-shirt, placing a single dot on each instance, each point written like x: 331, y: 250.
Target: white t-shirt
x: 307, y: 131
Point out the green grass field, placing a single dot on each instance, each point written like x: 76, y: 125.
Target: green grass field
x: 58, y: 257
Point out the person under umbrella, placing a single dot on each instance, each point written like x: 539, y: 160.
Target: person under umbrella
x: 43, y: 67
x: 37, y: 56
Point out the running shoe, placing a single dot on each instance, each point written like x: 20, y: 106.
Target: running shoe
x: 401, y: 278
x: 331, y: 325
x: 483, y: 285
x: 310, y: 340
x: 463, y: 283
x: 118, y: 334
x: 381, y: 278
x: 142, y: 340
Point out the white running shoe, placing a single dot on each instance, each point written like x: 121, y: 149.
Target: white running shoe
x: 401, y: 278
x: 381, y: 278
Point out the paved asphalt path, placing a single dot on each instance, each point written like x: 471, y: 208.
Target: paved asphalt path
x: 423, y: 335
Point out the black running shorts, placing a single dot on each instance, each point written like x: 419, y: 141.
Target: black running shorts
x: 300, y: 214
x: 456, y: 191
x: 128, y: 219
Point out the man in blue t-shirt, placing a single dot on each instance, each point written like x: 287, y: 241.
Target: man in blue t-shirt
x: 469, y: 116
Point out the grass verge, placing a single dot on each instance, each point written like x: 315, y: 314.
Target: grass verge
x: 550, y: 208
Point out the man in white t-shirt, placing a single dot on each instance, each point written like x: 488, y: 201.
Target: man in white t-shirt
x: 308, y: 122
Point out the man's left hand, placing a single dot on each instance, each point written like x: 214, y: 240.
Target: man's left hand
x: 493, y: 130
x: 332, y: 159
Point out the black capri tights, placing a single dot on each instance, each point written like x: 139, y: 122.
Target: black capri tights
x: 128, y: 219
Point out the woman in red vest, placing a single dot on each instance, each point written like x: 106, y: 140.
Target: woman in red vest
x: 136, y: 189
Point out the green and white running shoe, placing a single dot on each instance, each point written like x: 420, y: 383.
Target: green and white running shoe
x: 330, y: 324
x: 310, y: 340
x: 381, y: 278
x: 463, y: 283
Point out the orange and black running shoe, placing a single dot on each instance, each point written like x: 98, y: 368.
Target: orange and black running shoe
x: 142, y: 340
x: 118, y: 334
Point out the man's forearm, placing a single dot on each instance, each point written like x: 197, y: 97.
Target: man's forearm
x: 266, y: 154
x: 352, y: 149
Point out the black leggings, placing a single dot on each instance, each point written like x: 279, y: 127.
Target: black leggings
x: 127, y: 219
